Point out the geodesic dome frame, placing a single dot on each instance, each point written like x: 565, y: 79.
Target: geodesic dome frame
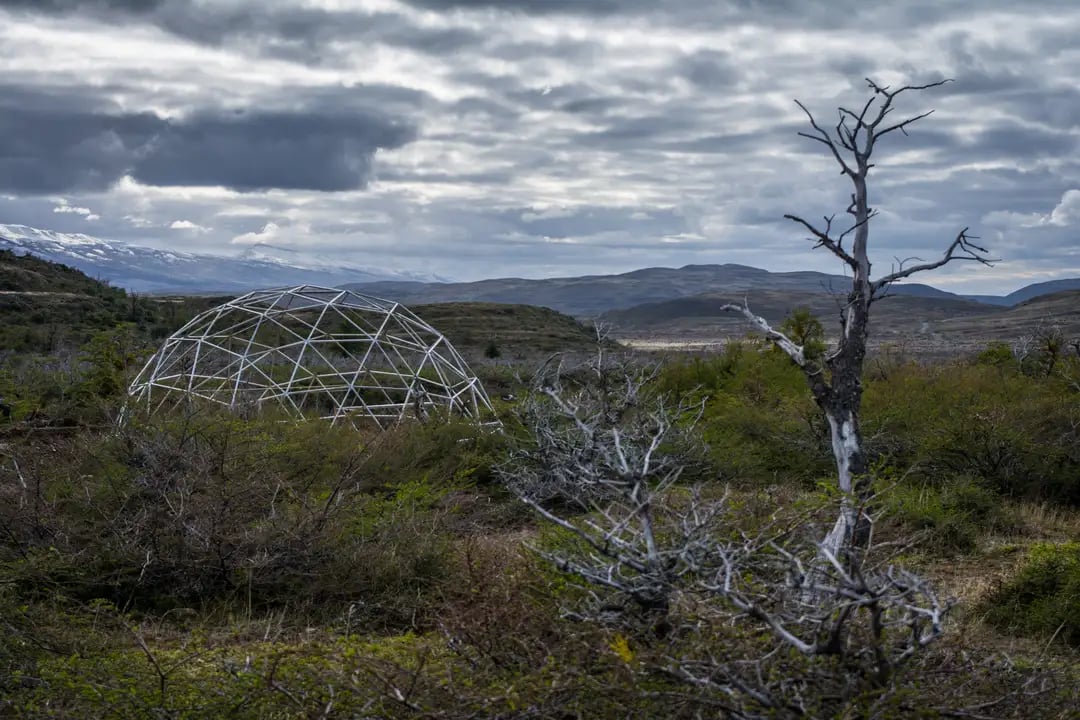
x: 318, y: 352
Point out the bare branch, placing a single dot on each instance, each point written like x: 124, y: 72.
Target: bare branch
x: 782, y: 341
x: 884, y: 89
x: 870, y: 215
x: 901, y: 125
x: 962, y: 248
x: 824, y: 138
x: 665, y: 548
x: 824, y: 240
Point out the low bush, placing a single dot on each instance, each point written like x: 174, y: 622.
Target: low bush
x: 1043, y: 598
x: 951, y: 517
x: 1015, y: 434
x: 201, y: 508
x: 759, y: 420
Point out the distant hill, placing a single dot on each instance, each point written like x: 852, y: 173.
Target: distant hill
x: 1059, y: 309
x: 45, y: 306
x: 701, y: 317
x: 146, y: 269
x: 592, y: 295
x: 20, y: 273
x: 514, y: 331
x: 1029, y: 292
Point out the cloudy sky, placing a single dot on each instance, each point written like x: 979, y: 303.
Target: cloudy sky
x: 481, y: 138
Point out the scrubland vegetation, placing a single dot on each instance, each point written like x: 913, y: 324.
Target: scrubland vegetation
x: 200, y: 564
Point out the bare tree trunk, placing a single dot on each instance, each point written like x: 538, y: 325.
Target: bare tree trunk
x: 851, y: 473
x: 836, y: 383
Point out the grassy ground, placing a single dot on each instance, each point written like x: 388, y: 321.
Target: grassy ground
x: 197, y: 564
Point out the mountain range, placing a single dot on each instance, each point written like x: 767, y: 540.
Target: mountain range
x: 594, y: 295
x: 145, y: 269
x: 1029, y: 292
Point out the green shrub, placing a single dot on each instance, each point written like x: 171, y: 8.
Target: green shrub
x: 952, y: 517
x: 998, y: 354
x: 759, y: 421
x: 1017, y: 435
x: 203, y: 508
x: 1044, y: 597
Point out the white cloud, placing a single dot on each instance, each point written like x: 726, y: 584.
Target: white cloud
x: 548, y: 213
x: 139, y: 222
x: 271, y: 232
x: 1065, y: 214
x: 187, y: 225
x: 63, y: 208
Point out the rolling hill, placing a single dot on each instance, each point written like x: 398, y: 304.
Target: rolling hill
x: 923, y: 325
x: 1030, y: 291
x: 517, y: 332
x: 1060, y: 310
x: 592, y: 295
x: 45, y: 306
x: 701, y: 317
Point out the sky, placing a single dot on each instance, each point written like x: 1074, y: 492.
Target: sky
x: 539, y: 138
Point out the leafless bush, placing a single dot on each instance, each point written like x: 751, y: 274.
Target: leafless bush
x: 1041, y: 349
x: 826, y: 630
x: 593, y: 431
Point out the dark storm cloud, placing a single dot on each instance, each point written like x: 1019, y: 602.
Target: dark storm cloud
x: 67, y: 6
x: 46, y: 147
x: 709, y: 69
x: 541, y: 7
x: 299, y: 33
x: 49, y: 148
x: 256, y: 151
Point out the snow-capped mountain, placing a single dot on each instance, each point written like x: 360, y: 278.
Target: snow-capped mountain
x: 145, y: 269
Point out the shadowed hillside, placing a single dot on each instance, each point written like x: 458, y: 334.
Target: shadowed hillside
x: 45, y: 306
x: 1060, y: 310
x: 513, y: 331
x: 592, y: 295
x: 700, y: 318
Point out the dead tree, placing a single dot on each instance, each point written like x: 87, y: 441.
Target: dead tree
x: 597, y: 443
x: 835, y: 379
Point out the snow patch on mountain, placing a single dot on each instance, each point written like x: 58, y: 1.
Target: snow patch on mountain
x: 146, y: 269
